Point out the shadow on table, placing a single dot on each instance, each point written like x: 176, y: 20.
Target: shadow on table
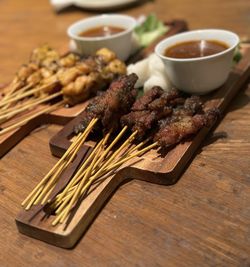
x: 241, y: 100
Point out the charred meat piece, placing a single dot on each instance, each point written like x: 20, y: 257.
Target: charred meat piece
x: 111, y: 105
x: 174, y: 129
x: 189, y: 107
x: 193, y: 105
x: 118, y: 100
x: 143, y: 102
x: 140, y: 121
x: 148, y: 110
x: 166, y: 99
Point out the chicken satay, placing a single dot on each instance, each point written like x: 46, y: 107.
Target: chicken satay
x: 26, y: 70
x: 82, y: 88
x: 69, y: 60
x: 113, y: 69
x: 105, y: 55
x: 44, y: 56
x: 66, y: 76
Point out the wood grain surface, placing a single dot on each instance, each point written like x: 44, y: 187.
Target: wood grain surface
x: 203, y: 220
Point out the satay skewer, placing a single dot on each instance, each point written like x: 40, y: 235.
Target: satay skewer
x: 25, y: 120
x: 56, y: 176
x: 36, y: 102
x: 78, y: 189
x: 65, y: 155
x: 24, y: 94
x: 61, y: 217
x: 13, y: 87
x: 88, y: 172
x: 55, y: 172
x: 69, y: 190
x: 77, y: 176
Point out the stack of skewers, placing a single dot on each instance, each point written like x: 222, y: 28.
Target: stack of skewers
x: 55, y: 80
x: 127, y: 128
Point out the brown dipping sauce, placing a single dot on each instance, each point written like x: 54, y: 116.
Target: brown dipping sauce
x: 194, y: 49
x: 101, y: 31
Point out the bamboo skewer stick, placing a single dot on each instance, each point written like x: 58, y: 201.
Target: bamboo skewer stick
x: 28, y: 106
x: 22, y: 122
x: 85, y: 177
x: 81, y: 186
x: 79, y: 190
x: 72, y: 181
x: 119, y: 163
x: 111, y: 145
x: 48, y: 194
x: 22, y: 89
x: 23, y: 95
x: 62, y: 164
x: 64, y: 157
x: 9, y: 95
x: 13, y: 87
x: 137, y: 153
x: 15, y: 107
x: 50, y: 172
x: 82, y: 175
x: 30, y: 203
x: 18, y: 92
x: 120, y: 148
x: 50, y: 183
x: 77, y: 178
x: 106, y: 165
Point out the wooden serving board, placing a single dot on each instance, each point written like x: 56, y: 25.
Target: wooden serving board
x: 151, y: 168
x: 64, y: 115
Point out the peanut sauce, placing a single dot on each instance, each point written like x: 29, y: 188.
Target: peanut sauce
x: 195, y: 49
x: 101, y: 31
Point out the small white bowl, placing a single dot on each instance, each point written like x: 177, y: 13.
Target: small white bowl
x: 120, y: 43
x: 204, y: 74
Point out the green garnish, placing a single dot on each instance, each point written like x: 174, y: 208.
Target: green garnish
x: 140, y: 92
x: 150, y: 30
x: 237, y: 55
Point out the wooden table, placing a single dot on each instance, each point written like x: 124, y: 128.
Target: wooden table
x: 203, y: 220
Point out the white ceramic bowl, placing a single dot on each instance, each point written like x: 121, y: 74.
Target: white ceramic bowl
x: 120, y: 43
x: 204, y: 74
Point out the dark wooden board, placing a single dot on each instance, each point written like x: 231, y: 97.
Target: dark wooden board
x: 64, y: 115
x: 151, y: 168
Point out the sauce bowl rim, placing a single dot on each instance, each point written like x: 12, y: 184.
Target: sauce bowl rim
x: 101, y: 38
x: 230, y: 48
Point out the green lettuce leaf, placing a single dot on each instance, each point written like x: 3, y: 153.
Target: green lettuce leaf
x: 150, y: 30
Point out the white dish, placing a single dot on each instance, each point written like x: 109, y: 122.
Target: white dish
x: 120, y: 43
x: 97, y: 5
x: 204, y: 74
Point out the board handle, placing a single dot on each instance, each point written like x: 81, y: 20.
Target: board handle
x: 37, y: 223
